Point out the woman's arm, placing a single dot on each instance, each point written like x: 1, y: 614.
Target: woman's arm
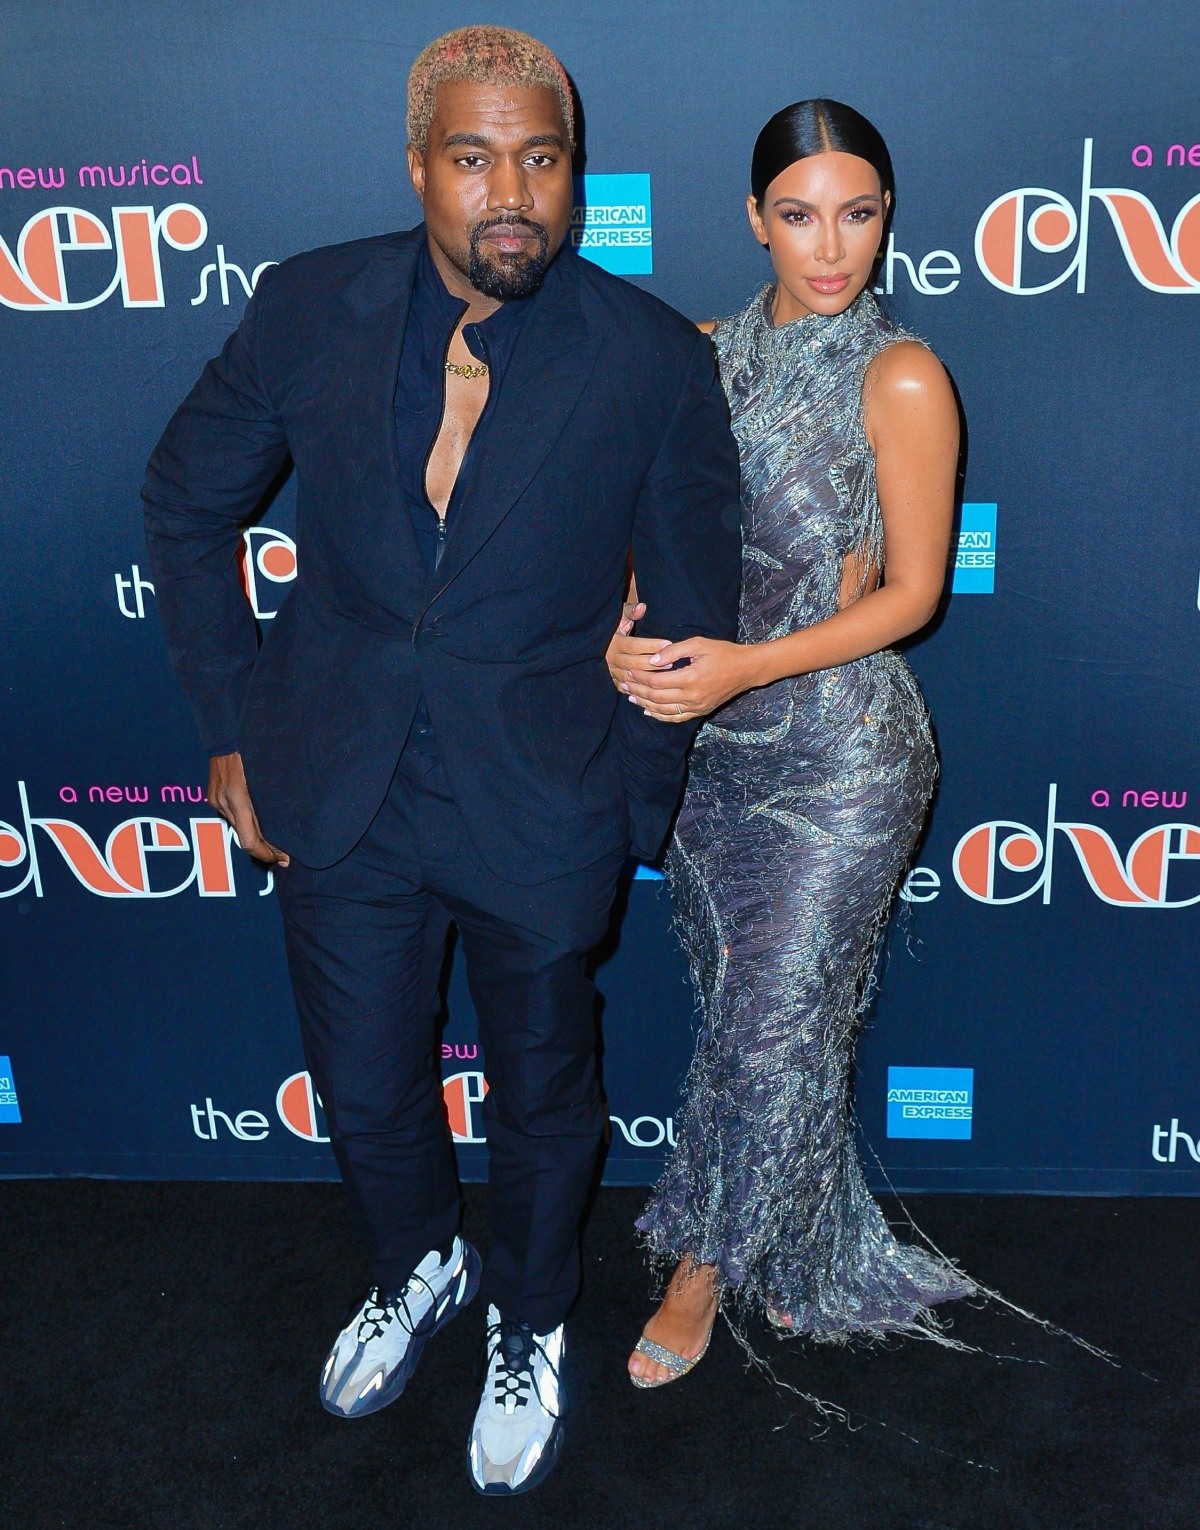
x: 911, y: 421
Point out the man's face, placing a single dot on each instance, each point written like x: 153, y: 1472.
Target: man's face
x: 495, y: 184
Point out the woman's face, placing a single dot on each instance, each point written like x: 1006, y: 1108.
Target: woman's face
x: 822, y: 220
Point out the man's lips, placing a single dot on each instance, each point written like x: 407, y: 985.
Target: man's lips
x: 509, y: 240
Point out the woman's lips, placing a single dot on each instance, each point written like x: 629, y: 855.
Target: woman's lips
x: 828, y: 284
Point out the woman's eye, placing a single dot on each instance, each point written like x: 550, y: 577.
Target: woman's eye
x: 861, y: 214
x: 796, y: 219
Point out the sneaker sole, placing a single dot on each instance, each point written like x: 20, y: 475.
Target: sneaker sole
x: 395, y: 1384
x: 536, y: 1477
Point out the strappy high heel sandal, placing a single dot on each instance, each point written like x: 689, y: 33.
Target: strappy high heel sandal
x: 676, y: 1364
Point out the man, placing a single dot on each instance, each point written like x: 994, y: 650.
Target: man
x: 481, y: 431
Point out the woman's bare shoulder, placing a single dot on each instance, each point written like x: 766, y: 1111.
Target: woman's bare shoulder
x: 908, y: 365
x: 907, y: 385
x: 706, y: 326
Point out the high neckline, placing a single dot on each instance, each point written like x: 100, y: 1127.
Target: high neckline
x: 810, y: 323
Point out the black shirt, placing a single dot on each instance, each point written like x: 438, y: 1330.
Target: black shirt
x: 433, y: 316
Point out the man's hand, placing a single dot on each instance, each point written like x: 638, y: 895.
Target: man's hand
x: 229, y: 794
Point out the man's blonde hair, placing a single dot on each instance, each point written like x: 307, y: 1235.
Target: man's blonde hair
x: 486, y: 56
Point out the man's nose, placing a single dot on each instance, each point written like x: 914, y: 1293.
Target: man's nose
x: 508, y: 187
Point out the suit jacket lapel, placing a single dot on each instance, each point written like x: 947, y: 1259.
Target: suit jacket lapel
x: 552, y: 361
x: 378, y: 300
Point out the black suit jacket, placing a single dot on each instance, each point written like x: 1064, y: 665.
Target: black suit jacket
x: 610, y: 431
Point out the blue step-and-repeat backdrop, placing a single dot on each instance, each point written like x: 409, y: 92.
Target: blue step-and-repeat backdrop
x: 1036, y: 1028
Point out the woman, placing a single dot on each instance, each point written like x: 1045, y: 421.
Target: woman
x: 808, y: 788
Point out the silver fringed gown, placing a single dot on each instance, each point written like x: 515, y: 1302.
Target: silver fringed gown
x: 804, y: 802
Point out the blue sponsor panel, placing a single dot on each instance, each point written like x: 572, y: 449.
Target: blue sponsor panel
x: 611, y: 223
x: 930, y: 1102
x: 146, y: 1001
x: 975, y: 556
x: 9, y: 1109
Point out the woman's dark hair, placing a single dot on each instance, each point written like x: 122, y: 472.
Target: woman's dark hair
x: 816, y: 127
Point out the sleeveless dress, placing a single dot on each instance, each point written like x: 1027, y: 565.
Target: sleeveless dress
x: 803, y: 805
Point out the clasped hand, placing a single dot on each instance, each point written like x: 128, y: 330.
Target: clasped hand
x: 641, y: 670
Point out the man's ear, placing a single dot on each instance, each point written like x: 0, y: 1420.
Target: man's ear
x: 416, y: 170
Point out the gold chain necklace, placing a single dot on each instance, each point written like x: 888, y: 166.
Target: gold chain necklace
x: 467, y: 371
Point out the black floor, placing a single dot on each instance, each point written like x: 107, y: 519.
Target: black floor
x: 161, y: 1345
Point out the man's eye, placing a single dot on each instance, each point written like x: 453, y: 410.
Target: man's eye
x: 471, y: 161
x: 540, y: 160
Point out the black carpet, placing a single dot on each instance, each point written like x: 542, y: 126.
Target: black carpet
x: 162, y: 1344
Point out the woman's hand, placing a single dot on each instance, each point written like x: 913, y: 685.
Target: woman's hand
x: 627, y: 655
x: 631, y: 613
x: 715, y: 672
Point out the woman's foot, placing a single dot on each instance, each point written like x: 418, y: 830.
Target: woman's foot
x: 683, y: 1321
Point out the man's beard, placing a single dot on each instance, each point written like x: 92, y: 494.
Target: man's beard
x: 511, y: 276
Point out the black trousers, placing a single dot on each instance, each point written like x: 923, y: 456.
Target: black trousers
x: 365, y: 943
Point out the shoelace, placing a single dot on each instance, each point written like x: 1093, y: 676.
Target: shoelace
x: 515, y: 1344
x: 380, y: 1310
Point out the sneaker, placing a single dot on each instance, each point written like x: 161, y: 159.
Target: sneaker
x: 518, y: 1429
x: 378, y: 1350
